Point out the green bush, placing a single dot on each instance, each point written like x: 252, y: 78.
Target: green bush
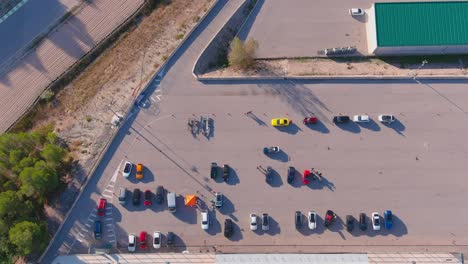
x: 242, y: 55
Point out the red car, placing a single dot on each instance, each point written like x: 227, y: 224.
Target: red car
x: 143, y: 236
x: 310, y: 120
x: 305, y: 177
x: 101, y: 210
x: 147, y: 201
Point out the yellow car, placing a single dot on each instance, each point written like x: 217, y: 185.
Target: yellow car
x: 280, y: 122
x: 139, y: 171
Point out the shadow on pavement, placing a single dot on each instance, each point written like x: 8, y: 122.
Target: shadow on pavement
x: 215, y: 225
x: 350, y: 127
x: 280, y: 156
x: 259, y: 121
x: 291, y: 129
x: 184, y: 213
x: 237, y: 234
x: 233, y: 178
x: 227, y: 208
x: 274, y: 227
x: 319, y: 127
x: 397, y: 126
x: 244, y: 31
x: 371, y: 125
x: 276, y: 180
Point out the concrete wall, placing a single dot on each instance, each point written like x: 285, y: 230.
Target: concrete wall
x: 219, y: 45
x: 371, y: 30
x: 420, y: 50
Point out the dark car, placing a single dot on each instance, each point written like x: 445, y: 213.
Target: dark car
x: 147, y: 201
x: 330, y: 217
x: 265, y: 222
x: 228, y: 228
x: 160, y: 194
x: 136, y: 196
x: 341, y: 119
x: 362, y: 221
x: 269, y: 174
x: 349, y: 223
x: 388, y: 218
x: 170, y: 239
x: 291, y: 174
x: 214, y: 170
x: 298, y: 219
x: 97, y: 230
x: 226, y: 170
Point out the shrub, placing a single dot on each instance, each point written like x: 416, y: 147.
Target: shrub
x: 242, y: 54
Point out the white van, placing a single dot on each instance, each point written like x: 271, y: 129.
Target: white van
x: 171, y: 202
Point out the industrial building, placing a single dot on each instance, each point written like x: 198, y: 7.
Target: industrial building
x: 417, y: 28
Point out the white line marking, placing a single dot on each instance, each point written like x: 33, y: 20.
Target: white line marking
x: 92, y: 214
x: 81, y: 235
x: 159, y: 97
x: 107, y: 190
x: 81, y: 240
x: 107, y: 196
x: 83, y: 229
x: 116, y: 173
x: 111, y: 241
x: 108, y: 219
x: 88, y: 225
x: 109, y: 224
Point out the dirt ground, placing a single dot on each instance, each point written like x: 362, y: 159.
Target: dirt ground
x: 342, y: 67
x: 82, y: 112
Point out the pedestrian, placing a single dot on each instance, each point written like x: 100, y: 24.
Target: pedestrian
x: 248, y: 113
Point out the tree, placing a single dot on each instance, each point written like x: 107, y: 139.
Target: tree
x: 242, y: 55
x: 39, y: 180
x: 28, y: 237
x: 53, y: 155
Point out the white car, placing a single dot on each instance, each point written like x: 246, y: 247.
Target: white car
x: 361, y: 118
x: 131, y: 242
x: 253, y: 222
x: 127, y: 169
x: 204, y: 220
x: 375, y: 221
x: 386, y: 118
x: 157, y: 239
x: 312, y: 220
x: 356, y: 11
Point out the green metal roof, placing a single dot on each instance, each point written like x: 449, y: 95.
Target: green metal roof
x: 421, y: 23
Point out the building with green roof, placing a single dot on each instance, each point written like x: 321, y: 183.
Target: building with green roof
x: 412, y: 28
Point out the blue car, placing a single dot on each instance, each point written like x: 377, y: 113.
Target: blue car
x: 388, y: 218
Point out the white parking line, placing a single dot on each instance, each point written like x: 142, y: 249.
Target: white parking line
x: 107, y: 196
x: 92, y: 214
x: 108, y: 219
x: 88, y: 225
x: 81, y: 240
x: 81, y: 235
x: 116, y: 173
x: 111, y: 241
x: 108, y: 213
x: 83, y: 229
x: 109, y: 224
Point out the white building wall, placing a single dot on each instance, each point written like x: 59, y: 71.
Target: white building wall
x: 420, y: 50
x: 371, y: 30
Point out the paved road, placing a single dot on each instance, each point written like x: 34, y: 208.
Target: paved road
x: 416, y: 167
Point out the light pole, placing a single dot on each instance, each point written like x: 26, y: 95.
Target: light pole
x: 415, y: 72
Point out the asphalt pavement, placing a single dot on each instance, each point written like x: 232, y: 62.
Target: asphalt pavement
x: 415, y: 167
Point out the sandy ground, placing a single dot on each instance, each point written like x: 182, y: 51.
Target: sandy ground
x: 330, y: 67
x: 84, y: 110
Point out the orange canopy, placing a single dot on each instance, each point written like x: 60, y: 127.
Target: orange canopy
x: 190, y: 200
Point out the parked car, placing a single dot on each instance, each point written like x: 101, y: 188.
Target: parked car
x: 291, y: 174
x: 310, y: 120
x: 376, y: 221
x: 204, y: 220
x: 306, y: 177
x: 136, y: 196
x: 280, y: 122
x: 388, y: 218
x: 218, y: 199
x: 362, y: 221
x: 386, y: 118
x: 97, y: 230
x: 214, y: 170
x: 147, y: 200
x: 330, y: 217
x: 127, y: 169
x: 157, y: 239
x: 226, y: 170
x: 271, y: 150
x: 131, y: 242
x: 170, y: 239
x: 361, y: 119
x: 265, y: 222
x: 139, y: 171
x: 253, y: 222
x: 269, y: 174
x: 312, y: 220
x: 356, y: 11
x: 160, y: 194
x: 228, y: 228
x: 143, y: 237
x: 349, y: 223
x: 101, y: 209
x: 298, y: 219
x: 341, y: 119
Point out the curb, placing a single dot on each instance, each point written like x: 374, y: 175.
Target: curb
x: 129, y: 109
x: 331, y: 77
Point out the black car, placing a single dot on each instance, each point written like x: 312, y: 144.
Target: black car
x: 226, y: 170
x: 341, y: 119
x: 136, y: 196
x: 330, y: 217
x: 268, y: 174
x: 228, y: 228
x: 298, y: 219
x: 160, y: 194
x: 214, y: 170
x: 291, y: 174
x: 362, y: 221
x: 170, y: 239
x: 349, y: 223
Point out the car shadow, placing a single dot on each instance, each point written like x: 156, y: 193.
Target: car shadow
x: 116, y: 214
x: 397, y: 126
x: 399, y: 228
x: 228, y: 206
x: 215, y: 225
x: 320, y: 183
x: 233, y: 178
x: 291, y: 129
x: 186, y: 214
x: 274, y: 227
x: 178, y: 246
x: 349, y: 126
x: 237, y: 234
x: 276, y: 180
x: 371, y: 125
x: 319, y: 127
x: 156, y: 207
x: 135, y: 208
x: 280, y: 156
x: 297, y: 181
